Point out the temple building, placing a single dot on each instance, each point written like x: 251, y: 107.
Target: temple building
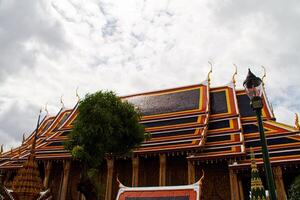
x: 193, y: 128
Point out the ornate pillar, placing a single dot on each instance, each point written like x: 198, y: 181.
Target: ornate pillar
x: 47, y: 173
x: 191, y: 172
x: 135, y: 170
x: 64, y: 188
x: 281, y: 195
x: 162, y: 169
x: 109, y: 179
x: 234, y: 185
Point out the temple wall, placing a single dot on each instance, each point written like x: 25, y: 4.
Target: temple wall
x: 283, y: 178
x: 122, y: 170
x: 177, y: 173
x: 216, y: 183
x: 55, y: 179
x: 289, y: 175
x: 41, y: 168
x: 75, y: 173
x: 149, y: 171
x: 8, y: 177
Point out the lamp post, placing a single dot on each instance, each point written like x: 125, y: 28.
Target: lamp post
x: 254, y: 89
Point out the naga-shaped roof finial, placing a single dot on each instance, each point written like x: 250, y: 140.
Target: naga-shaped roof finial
x: 77, y: 95
x: 23, y: 139
x: 61, y: 102
x: 119, y: 182
x: 209, y: 73
x: 46, y: 109
x: 264, y: 76
x: 297, y: 125
x: 201, y: 185
x: 32, y: 151
x: 234, y: 74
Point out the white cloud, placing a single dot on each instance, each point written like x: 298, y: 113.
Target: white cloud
x: 48, y: 48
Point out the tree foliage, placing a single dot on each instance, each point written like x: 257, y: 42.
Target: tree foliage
x: 105, y: 126
x: 294, y: 191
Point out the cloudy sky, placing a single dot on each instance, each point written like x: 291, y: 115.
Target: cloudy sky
x: 48, y: 48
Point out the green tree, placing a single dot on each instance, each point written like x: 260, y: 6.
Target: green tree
x: 106, y: 126
x: 294, y: 191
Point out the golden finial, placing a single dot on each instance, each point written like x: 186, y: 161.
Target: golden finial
x: 1, y: 149
x: 77, y: 95
x: 36, y: 132
x: 209, y: 73
x: 234, y: 74
x: 23, y: 140
x: 61, y: 101
x: 272, y: 110
x: 264, y: 76
x: 46, y: 109
x: 297, y: 125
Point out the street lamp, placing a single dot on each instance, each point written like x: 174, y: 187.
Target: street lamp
x: 254, y: 89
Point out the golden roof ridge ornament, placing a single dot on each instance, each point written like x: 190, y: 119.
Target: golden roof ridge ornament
x: 46, y: 109
x: 263, y: 86
x: 272, y: 109
x: 61, y: 102
x: 23, y: 139
x: 297, y: 125
x: 209, y: 73
x: 77, y: 95
x: 36, y: 133
x: 234, y: 75
x: 264, y: 76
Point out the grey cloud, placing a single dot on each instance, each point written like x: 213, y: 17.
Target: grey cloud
x: 140, y: 37
x: 15, y: 121
x: 277, y: 23
x: 99, y: 61
x: 110, y: 27
x: 21, y: 22
x: 272, y: 29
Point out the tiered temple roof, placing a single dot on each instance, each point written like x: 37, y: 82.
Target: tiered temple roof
x: 207, y: 124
